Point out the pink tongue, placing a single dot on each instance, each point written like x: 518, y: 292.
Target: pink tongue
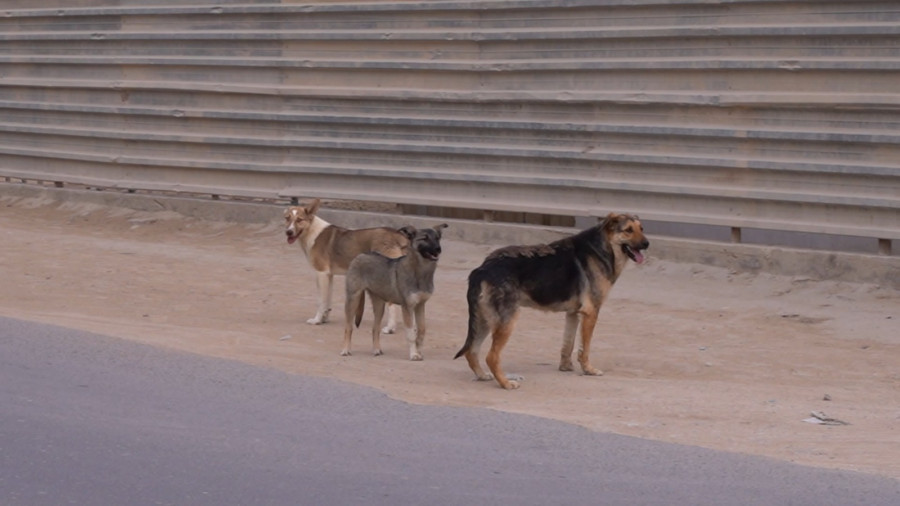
x: 291, y: 240
x: 638, y: 257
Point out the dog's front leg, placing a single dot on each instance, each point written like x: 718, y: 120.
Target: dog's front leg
x: 323, y: 282
x: 420, y: 326
x: 411, y: 337
x: 565, y: 360
x: 588, y: 321
x: 391, y: 326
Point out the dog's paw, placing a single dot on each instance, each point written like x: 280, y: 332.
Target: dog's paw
x: 511, y: 385
x: 485, y: 377
x: 345, y: 353
x: 388, y: 329
x: 315, y: 321
x: 377, y: 352
x: 592, y: 371
x: 566, y: 365
x: 416, y: 357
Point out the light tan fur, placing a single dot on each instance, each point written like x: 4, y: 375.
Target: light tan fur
x: 330, y: 249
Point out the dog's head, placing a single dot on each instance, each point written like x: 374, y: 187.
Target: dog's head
x: 298, y: 219
x: 426, y: 241
x: 626, y: 232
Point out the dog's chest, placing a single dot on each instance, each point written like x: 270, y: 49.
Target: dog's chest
x: 417, y: 297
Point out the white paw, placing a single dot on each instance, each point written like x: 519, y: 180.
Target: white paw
x: 388, y: 329
x: 486, y: 377
x: 377, y: 352
x: 316, y: 320
x: 416, y: 357
x: 345, y: 353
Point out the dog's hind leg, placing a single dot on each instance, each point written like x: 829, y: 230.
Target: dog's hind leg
x: 323, y: 282
x: 378, y: 310
x: 588, y: 321
x: 411, y: 332
x: 478, y: 330
x: 565, y: 359
x: 352, y: 313
x: 475, y: 364
x: 499, y: 338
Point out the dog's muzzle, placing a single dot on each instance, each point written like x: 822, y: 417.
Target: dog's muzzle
x: 634, y: 253
x: 431, y: 254
x: 290, y: 237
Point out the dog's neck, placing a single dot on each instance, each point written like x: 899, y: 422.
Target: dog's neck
x: 424, y: 270
x: 309, y: 236
x: 619, y: 258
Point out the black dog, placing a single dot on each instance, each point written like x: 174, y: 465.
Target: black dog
x: 573, y: 275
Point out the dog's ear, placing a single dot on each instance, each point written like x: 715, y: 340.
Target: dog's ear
x: 438, y: 228
x: 409, y: 231
x: 610, y: 222
x: 313, y: 207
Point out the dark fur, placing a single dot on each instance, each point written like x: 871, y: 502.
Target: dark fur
x: 572, y: 275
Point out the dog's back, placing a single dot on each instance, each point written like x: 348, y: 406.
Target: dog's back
x: 545, y: 276
x: 341, y: 246
x: 376, y: 273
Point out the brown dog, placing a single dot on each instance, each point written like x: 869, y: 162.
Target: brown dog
x: 330, y: 249
x: 573, y: 275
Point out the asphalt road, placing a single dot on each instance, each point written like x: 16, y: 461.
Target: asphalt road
x: 94, y: 420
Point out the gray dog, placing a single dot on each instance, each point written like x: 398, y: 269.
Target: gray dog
x: 407, y: 281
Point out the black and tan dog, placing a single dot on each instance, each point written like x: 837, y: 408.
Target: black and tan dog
x: 573, y: 275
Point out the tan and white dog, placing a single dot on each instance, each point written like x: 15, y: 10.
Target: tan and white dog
x: 330, y: 249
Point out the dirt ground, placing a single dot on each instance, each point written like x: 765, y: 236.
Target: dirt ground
x: 692, y: 354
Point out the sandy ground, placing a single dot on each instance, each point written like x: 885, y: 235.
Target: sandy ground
x: 692, y: 354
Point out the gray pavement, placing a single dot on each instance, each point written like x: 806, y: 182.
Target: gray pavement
x: 94, y: 420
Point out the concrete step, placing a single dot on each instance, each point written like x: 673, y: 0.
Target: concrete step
x: 506, y: 14
x: 117, y: 82
x: 682, y: 157
x: 597, y: 180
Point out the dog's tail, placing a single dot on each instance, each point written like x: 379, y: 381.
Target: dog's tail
x: 472, y: 296
x: 360, y: 307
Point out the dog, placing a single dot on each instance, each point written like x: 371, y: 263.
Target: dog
x: 330, y: 249
x: 407, y: 281
x: 572, y: 275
